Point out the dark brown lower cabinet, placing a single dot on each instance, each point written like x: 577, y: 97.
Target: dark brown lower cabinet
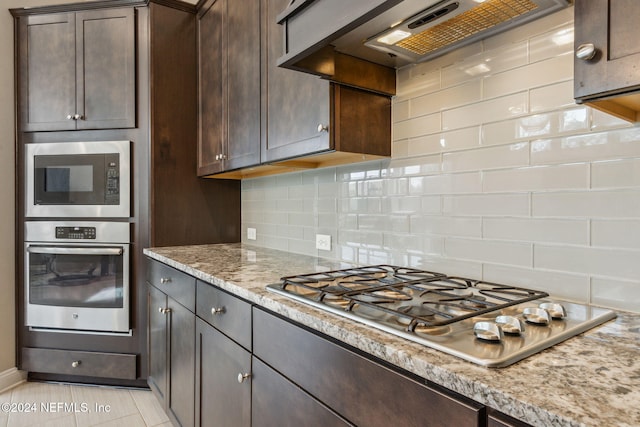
x: 276, y: 401
x: 223, y: 380
x: 360, y: 390
x: 172, y: 356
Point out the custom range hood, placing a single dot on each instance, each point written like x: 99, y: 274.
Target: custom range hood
x: 395, y: 33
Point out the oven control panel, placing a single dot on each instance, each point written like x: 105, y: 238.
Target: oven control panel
x: 76, y: 233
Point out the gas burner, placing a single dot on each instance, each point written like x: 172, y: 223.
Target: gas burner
x: 480, y: 321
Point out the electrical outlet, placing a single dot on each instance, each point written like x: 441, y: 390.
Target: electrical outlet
x: 251, y: 233
x: 323, y: 242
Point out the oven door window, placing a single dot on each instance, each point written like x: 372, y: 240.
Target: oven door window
x: 76, y: 277
x: 76, y: 179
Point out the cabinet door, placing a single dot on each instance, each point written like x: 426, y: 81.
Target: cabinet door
x: 612, y: 27
x: 157, y: 344
x: 243, y: 84
x: 296, y: 103
x: 221, y: 399
x: 270, y: 392
x: 105, y: 61
x: 47, y: 75
x: 211, y: 87
x: 181, y: 363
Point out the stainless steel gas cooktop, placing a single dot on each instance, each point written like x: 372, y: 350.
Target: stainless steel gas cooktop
x: 490, y: 324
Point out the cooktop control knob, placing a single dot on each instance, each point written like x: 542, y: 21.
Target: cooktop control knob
x: 510, y: 325
x: 538, y: 316
x: 555, y: 310
x: 488, y: 331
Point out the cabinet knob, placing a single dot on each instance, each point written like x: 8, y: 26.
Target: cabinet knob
x: 164, y: 310
x: 77, y: 117
x: 218, y: 310
x: 586, y: 51
x: 165, y: 280
x: 70, y: 117
x: 242, y: 377
x: 75, y: 363
x: 323, y: 128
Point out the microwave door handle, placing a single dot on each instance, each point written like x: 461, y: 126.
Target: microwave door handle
x: 73, y: 251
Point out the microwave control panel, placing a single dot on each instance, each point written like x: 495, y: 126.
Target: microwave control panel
x: 83, y: 233
x: 112, y: 190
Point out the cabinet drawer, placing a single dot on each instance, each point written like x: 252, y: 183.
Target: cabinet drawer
x: 176, y: 284
x: 229, y: 314
x: 357, y: 388
x: 85, y: 363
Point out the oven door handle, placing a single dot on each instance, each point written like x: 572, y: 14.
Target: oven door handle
x: 57, y: 250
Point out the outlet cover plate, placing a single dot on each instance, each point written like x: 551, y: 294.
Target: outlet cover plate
x: 251, y: 233
x: 323, y: 242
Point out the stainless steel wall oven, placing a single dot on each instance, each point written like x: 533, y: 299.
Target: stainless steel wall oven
x: 78, y: 179
x: 77, y: 275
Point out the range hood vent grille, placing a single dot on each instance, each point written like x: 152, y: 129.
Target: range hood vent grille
x: 480, y: 18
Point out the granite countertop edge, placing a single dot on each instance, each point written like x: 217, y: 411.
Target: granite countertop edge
x: 245, y: 270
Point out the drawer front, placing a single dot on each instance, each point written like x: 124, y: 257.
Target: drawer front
x: 229, y: 314
x: 357, y: 388
x: 176, y: 284
x: 85, y: 363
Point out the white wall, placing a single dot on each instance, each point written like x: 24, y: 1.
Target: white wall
x: 496, y: 173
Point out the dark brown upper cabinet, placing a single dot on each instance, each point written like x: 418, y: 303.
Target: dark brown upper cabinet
x: 229, y: 85
x: 606, y: 69
x: 77, y: 70
x: 306, y: 122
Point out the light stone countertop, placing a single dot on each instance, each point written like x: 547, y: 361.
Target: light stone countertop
x: 589, y: 380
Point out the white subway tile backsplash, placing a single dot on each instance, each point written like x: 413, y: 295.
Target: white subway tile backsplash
x: 512, y: 155
x: 537, y: 178
x: 551, y: 97
x: 496, y: 174
x: 446, y: 99
x: 613, y: 293
x: 575, y: 232
x: 611, y: 233
x: 574, y: 287
x: 587, y: 204
x: 616, y: 174
x: 552, y: 44
x: 486, y: 205
x: 614, y: 263
x: 555, y: 69
x: 491, y: 251
x: 446, y: 225
x: 486, y: 111
x: 417, y: 126
x: 616, y: 144
x: 459, y: 139
x: 485, y: 63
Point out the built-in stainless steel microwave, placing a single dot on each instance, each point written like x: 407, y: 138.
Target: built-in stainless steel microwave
x: 78, y: 179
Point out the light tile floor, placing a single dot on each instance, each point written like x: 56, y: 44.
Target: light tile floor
x: 64, y: 405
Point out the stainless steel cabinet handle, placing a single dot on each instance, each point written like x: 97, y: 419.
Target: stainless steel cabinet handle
x: 75, y: 363
x: 218, y: 310
x: 242, y: 377
x: 323, y: 128
x: 165, y: 280
x: 164, y: 310
x: 586, y: 51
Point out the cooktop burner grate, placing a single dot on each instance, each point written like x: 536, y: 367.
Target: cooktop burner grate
x: 415, y: 297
